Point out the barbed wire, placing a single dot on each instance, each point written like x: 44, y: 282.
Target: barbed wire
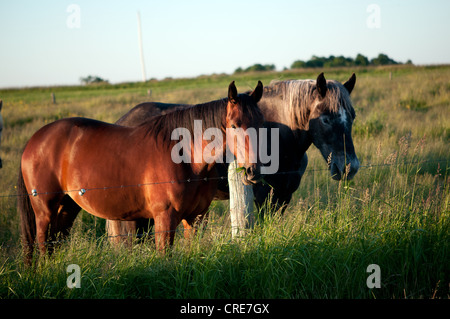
x: 82, y: 191
x: 137, y: 236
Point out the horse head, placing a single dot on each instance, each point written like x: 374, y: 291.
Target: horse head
x: 331, y: 118
x: 243, y: 120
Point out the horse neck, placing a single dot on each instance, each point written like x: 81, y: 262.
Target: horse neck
x: 286, y: 105
x: 303, y: 139
x: 273, y: 110
x: 199, y: 164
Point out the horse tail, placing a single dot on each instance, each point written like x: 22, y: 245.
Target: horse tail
x: 27, y: 218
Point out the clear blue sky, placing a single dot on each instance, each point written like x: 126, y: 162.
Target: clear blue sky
x: 189, y: 38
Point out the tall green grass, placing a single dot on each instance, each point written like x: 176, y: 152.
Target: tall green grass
x: 320, y: 248
x: 394, y: 213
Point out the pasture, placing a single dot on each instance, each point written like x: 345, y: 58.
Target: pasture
x: 394, y: 213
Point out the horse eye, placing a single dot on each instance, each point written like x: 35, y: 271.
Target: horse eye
x: 233, y: 126
x: 326, y: 120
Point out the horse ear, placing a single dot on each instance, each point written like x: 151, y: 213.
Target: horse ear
x: 232, y: 92
x: 321, y: 84
x: 350, y: 84
x: 258, y: 92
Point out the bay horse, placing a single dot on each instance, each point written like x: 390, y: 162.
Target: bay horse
x: 318, y: 112
x: 1, y: 129
x: 126, y: 173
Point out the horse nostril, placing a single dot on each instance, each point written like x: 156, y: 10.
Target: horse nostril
x: 335, y: 172
x: 352, y: 169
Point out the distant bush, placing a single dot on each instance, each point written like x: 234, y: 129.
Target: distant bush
x: 93, y: 79
x: 382, y: 59
x: 256, y: 68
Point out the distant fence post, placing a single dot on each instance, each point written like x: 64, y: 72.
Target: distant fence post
x: 53, y: 98
x: 241, y: 202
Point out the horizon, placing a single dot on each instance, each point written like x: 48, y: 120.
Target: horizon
x: 298, y: 70
x: 50, y: 44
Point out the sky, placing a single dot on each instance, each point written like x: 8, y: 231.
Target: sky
x: 46, y: 43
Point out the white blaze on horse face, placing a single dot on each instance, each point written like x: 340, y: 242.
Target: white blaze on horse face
x: 343, y: 115
x: 243, y: 144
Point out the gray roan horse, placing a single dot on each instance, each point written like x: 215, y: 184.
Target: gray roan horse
x: 307, y: 112
x: 1, y: 128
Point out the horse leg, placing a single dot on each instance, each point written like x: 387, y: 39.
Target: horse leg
x: 165, y: 226
x: 42, y: 226
x: 46, y: 210
x: 62, y: 223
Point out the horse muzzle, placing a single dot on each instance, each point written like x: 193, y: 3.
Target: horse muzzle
x: 339, y: 170
x: 252, y: 175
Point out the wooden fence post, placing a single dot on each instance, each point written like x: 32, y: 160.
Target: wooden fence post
x: 241, y: 202
x: 121, y: 232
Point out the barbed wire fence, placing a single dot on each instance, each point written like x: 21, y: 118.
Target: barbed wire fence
x: 82, y: 191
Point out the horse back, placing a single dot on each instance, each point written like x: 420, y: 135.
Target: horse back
x: 59, y: 134
x: 66, y: 146
x: 148, y: 110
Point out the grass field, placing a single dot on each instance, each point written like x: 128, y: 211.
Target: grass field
x: 394, y: 213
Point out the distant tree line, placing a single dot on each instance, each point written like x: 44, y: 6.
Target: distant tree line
x: 336, y: 61
x: 256, y: 67
x: 327, y: 62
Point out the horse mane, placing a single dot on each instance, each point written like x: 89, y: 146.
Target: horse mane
x: 212, y: 114
x: 298, y: 98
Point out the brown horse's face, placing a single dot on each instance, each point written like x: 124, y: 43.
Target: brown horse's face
x: 244, y: 119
